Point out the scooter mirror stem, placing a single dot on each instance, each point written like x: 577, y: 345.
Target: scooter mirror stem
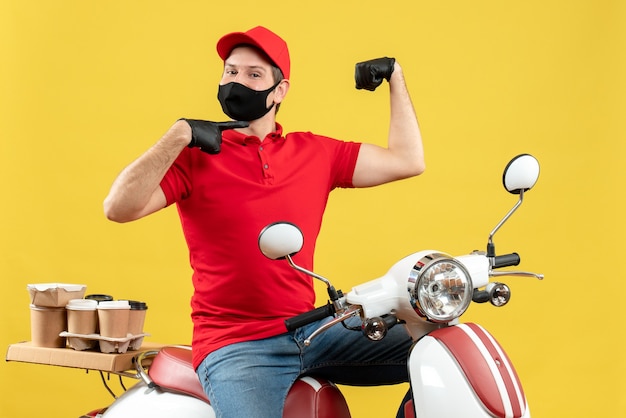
x: 491, y: 248
x: 310, y: 273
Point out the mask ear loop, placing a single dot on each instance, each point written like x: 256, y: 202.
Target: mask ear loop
x: 273, y: 87
x: 267, y: 93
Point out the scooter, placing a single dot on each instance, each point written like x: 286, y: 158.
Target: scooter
x: 455, y: 369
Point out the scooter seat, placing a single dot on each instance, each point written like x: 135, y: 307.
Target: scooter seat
x: 309, y: 397
x: 171, y: 369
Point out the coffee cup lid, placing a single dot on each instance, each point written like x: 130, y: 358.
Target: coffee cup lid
x: 81, y: 304
x: 138, y: 305
x: 114, y: 304
x: 99, y: 297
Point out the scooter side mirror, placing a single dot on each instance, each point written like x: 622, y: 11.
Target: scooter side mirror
x: 520, y: 174
x: 280, y: 239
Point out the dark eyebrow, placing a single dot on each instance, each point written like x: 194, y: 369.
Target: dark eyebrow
x: 248, y: 67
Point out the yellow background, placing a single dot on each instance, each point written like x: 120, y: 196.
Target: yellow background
x: 87, y: 86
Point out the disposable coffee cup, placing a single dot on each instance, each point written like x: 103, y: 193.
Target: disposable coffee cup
x: 98, y: 297
x: 113, y: 318
x: 45, y: 326
x: 137, y: 316
x: 82, y: 316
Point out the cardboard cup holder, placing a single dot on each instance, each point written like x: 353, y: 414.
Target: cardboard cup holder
x: 81, y: 342
x: 116, y: 332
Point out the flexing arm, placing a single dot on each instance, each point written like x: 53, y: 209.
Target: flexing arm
x: 404, y: 155
x: 136, y: 192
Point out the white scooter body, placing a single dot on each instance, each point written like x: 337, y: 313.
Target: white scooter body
x: 454, y: 371
x: 461, y: 371
x: 141, y: 401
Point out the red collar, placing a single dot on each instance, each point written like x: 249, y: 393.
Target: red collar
x: 241, y: 138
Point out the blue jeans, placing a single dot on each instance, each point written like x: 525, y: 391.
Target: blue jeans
x: 252, y: 379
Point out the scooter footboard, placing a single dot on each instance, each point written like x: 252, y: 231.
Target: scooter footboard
x: 463, y: 371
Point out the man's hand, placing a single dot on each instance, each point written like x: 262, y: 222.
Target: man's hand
x: 370, y: 74
x: 207, y: 135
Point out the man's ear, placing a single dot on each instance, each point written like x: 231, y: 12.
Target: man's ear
x: 281, y: 91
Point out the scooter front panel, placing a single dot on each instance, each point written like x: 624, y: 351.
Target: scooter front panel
x: 474, y: 370
x: 439, y: 386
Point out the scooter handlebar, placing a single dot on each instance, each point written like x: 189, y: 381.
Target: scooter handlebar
x: 309, y: 317
x: 506, y: 260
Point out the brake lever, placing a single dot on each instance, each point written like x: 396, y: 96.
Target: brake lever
x: 350, y: 312
x: 515, y: 273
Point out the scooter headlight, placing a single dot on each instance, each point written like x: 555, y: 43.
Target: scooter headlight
x: 440, y: 288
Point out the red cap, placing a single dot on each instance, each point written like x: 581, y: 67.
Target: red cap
x: 266, y: 40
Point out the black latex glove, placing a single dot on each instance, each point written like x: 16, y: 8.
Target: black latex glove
x: 370, y: 74
x: 207, y: 135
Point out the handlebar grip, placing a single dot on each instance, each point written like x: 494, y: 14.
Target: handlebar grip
x: 506, y: 260
x: 309, y: 317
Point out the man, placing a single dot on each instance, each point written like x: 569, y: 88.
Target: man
x: 246, y: 174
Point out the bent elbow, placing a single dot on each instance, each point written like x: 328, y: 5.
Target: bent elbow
x: 420, y: 168
x: 111, y: 216
x: 112, y: 213
x: 415, y: 169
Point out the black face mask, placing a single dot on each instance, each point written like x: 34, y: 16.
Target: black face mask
x: 242, y: 103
